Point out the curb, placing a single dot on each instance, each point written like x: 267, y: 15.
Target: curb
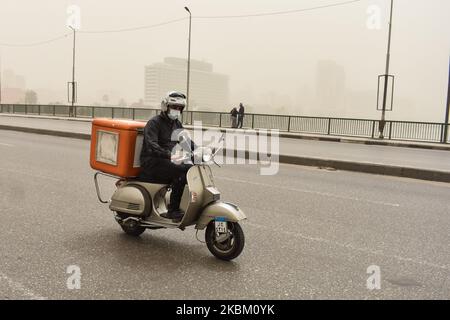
x: 363, y: 167
x: 372, y: 168
x: 390, y: 143
x: 64, y: 134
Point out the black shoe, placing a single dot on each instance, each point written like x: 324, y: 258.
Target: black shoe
x: 175, y: 215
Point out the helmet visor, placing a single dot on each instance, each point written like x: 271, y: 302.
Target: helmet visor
x: 176, y: 106
x: 177, y: 95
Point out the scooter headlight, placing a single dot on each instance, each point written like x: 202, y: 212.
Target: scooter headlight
x: 203, y: 154
x: 207, y: 155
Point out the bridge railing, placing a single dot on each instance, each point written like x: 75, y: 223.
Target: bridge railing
x: 365, y: 128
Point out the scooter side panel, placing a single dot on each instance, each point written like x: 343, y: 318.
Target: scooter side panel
x: 229, y: 211
x: 152, y: 188
x: 128, y: 199
x: 158, y: 204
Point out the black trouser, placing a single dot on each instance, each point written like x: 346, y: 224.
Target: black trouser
x: 240, y: 121
x: 165, y: 171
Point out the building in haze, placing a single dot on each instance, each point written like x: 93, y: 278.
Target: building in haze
x: 330, y: 88
x: 13, y: 87
x: 208, y: 90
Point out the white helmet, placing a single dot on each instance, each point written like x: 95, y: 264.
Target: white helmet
x: 174, y: 99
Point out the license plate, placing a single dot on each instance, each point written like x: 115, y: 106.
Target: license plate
x: 221, y: 225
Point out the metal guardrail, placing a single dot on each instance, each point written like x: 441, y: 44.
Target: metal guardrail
x: 365, y: 128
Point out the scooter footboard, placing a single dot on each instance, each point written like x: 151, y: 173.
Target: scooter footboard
x: 226, y: 210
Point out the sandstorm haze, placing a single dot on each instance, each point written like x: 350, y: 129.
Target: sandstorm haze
x: 320, y: 63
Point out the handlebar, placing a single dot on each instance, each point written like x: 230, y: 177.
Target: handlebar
x: 191, y: 154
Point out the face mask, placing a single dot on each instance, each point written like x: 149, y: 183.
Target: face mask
x: 174, y: 114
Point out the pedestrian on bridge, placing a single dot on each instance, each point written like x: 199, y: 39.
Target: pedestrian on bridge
x: 241, y: 115
x: 234, y: 114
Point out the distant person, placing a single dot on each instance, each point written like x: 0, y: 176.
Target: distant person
x: 234, y: 114
x: 241, y: 115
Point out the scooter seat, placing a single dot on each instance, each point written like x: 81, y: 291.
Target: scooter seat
x: 147, y: 179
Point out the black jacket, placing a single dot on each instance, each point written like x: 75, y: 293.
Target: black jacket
x: 158, y: 142
x: 241, y: 111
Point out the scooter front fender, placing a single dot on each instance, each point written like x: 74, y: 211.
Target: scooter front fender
x: 229, y: 211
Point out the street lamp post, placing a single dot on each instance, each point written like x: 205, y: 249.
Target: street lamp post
x: 388, y: 57
x: 73, y: 95
x: 189, y: 59
x: 0, y: 79
x: 447, y: 110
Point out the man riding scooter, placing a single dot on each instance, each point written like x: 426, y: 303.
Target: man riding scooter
x: 139, y: 201
x: 157, y: 162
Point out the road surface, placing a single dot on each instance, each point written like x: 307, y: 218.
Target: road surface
x: 310, y: 234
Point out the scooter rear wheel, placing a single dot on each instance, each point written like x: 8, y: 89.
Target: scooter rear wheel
x: 230, y: 248
x: 133, y: 231
x: 131, y: 228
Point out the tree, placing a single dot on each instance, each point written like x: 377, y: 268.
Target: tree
x: 30, y: 97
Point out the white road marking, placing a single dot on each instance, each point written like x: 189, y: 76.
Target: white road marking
x: 6, y: 144
x: 16, y: 286
x: 348, y: 246
x: 325, y: 194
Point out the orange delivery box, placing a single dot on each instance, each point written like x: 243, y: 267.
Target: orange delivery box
x: 116, y: 146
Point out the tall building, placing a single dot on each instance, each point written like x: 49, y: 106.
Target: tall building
x: 207, y: 90
x: 13, y: 87
x: 13, y: 80
x: 330, y: 88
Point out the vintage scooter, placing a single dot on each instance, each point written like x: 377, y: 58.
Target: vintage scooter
x: 138, y: 205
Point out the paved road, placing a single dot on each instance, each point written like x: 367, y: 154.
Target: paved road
x: 404, y: 157
x: 310, y: 234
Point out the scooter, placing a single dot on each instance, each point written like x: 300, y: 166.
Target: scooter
x: 138, y: 205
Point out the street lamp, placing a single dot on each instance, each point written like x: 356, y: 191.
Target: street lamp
x: 386, y: 77
x: 0, y: 79
x: 189, y: 59
x: 72, y: 98
x: 447, y: 108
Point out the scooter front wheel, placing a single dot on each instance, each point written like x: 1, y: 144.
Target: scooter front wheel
x: 229, y: 248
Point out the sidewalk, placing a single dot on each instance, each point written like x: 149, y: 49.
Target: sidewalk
x: 413, y: 162
x: 290, y: 135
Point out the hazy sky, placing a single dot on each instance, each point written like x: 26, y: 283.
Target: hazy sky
x: 270, y: 60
